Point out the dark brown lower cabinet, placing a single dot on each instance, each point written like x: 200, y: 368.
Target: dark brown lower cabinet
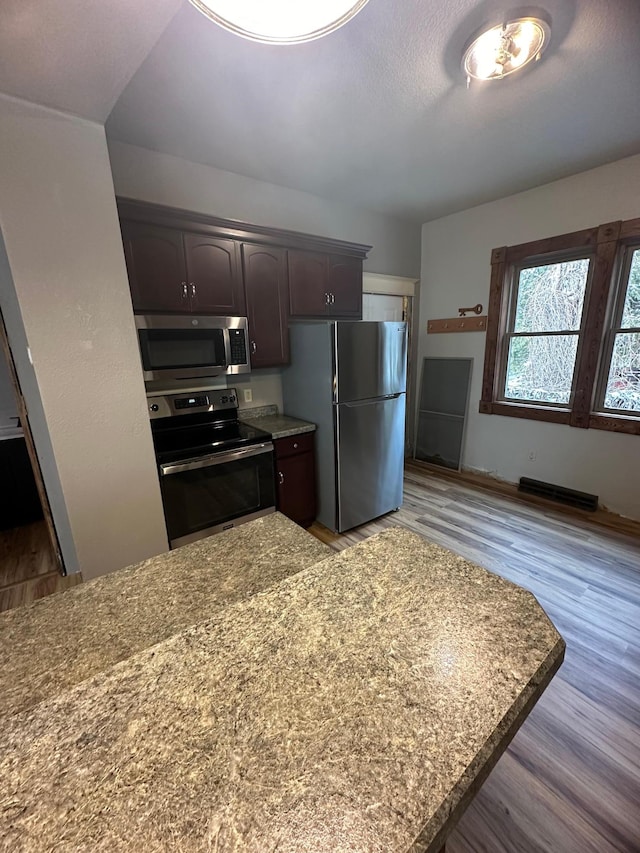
x: 296, y: 477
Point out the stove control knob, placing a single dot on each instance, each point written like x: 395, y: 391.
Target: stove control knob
x: 224, y: 399
x: 232, y: 399
x: 154, y: 407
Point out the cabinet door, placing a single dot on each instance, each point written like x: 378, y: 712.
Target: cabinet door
x: 156, y: 268
x: 308, y: 291
x: 296, y: 485
x: 214, y: 277
x: 267, y: 292
x: 345, y: 287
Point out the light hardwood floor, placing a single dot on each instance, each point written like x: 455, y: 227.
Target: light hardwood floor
x: 28, y: 567
x: 570, y: 780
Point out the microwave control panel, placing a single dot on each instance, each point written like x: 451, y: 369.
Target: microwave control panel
x: 237, y: 346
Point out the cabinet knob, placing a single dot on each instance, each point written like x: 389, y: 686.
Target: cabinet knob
x: 295, y: 445
x: 185, y: 292
x: 280, y: 478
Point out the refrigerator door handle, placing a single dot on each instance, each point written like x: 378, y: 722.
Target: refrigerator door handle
x: 370, y: 400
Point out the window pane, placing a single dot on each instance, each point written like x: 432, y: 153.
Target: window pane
x: 623, y: 387
x: 631, y: 313
x: 541, y: 368
x: 550, y: 297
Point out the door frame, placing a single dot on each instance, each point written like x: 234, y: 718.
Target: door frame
x: 23, y: 414
x: 393, y: 285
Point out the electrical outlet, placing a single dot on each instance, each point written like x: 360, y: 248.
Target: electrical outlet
x: 248, y: 395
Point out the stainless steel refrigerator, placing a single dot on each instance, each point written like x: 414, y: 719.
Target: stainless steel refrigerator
x: 349, y: 378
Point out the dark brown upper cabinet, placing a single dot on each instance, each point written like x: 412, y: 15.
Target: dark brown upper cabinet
x: 214, y: 275
x: 172, y: 271
x: 157, y: 268
x: 345, y: 286
x: 267, y: 293
x: 322, y: 285
x: 185, y: 262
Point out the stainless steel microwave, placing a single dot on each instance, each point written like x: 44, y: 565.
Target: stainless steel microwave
x: 191, y: 347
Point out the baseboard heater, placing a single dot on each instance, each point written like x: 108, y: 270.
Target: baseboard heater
x: 581, y: 500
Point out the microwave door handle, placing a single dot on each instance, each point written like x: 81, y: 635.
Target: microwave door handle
x: 215, y: 459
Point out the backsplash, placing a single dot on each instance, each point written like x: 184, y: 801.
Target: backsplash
x: 259, y: 411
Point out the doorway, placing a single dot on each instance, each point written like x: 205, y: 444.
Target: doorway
x: 30, y: 560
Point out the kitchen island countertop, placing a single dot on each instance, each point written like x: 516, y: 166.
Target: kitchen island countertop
x: 60, y: 640
x: 357, y: 705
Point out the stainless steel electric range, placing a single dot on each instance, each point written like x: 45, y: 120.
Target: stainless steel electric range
x: 215, y: 472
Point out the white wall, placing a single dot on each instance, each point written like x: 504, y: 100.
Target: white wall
x: 455, y: 272
x: 64, y: 293
x: 163, y: 179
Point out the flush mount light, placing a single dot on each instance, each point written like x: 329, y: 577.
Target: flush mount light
x: 504, y: 49
x: 280, y: 21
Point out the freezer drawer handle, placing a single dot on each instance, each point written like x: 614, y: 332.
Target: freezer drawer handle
x: 215, y: 459
x: 371, y: 400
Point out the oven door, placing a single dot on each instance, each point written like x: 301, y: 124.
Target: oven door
x: 206, y: 495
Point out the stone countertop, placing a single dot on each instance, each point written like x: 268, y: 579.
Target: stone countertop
x: 355, y: 706
x: 60, y: 640
x: 280, y: 426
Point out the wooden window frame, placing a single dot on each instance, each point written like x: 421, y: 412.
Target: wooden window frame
x: 604, y: 245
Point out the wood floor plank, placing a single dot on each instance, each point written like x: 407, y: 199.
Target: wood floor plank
x: 28, y: 566
x: 570, y: 780
x: 25, y: 553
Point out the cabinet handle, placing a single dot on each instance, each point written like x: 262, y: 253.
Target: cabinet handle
x: 326, y: 299
x: 185, y: 292
x: 332, y: 297
x: 193, y: 290
x: 254, y: 347
x: 280, y: 478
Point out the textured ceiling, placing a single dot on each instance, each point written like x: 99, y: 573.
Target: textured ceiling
x: 77, y: 55
x: 376, y: 114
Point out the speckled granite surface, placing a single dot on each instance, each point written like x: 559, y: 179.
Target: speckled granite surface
x: 253, y: 412
x: 351, y: 707
x: 280, y: 426
x: 61, y: 640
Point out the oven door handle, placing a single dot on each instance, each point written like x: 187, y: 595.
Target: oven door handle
x: 215, y: 459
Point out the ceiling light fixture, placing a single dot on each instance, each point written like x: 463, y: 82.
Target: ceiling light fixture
x: 504, y: 49
x: 280, y: 21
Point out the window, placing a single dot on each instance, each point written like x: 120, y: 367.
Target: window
x: 563, y: 332
x: 621, y: 392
